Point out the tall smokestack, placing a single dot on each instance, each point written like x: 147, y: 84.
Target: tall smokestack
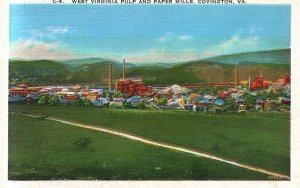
x: 123, y: 69
x: 110, y: 77
x: 249, y: 82
x: 235, y: 75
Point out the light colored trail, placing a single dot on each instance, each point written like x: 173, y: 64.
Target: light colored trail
x: 172, y: 147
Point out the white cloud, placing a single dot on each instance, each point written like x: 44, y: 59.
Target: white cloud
x: 50, y: 32
x: 36, y: 33
x: 34, y: 49
x: 167, y: 37
x: 235, y: 44
x: 184, y: 37
x: 254, y: 30
x: 58, y: 29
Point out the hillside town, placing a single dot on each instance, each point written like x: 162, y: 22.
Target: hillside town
x: 237, y: 96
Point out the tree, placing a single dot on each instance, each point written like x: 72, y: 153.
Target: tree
x: 108, y: 94
x: 162, y: 101
x: 49, y: 100
x: 210, y: 90
x: 82, y: 141
x: 141, y: 104
x: 53, y: 100
x: 78, y: 102
x: 205, y: 90
x: 230, y: 104
x: 86, y: 102
x: 117, y: 95
x: 127, y: 104
x: 43, y: 100
x: 250, y: 100
x: 269, y: 96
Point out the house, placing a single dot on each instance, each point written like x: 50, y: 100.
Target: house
x: 102, y: 101
x: 219, y: 102
x: 193, y: 98
x: 284, y: 100
x: 15, y: 99
x: 258, y: 83
x: 240, y: 101
x: 71, y: 98
x: 135, y: 100
x: 262, y: 104
x: 209, y: 98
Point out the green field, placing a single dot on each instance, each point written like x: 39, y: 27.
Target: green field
x: 40, y: 149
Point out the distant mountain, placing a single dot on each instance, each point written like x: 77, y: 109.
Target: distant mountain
x: 94, y: 73
x: 282, y: 56
x: 59, y: 72
x: 151, y: 64
x: 44, y: 71
x: 213, y: 72
x: 78, y: 62
x: 273, y: 64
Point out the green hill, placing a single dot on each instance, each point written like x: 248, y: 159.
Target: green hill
x: 94, y: 73
x: 76, y: 62
x: 155, y: 75
x: 282, y: 56
x: 208, y: 72
x: 211, y: 72
x: 79, y: 62
x: 273, y: 64
x: 42, y: 71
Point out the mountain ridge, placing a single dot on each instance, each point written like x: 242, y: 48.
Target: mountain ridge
x: 213, y: 70
x: 278, y: 56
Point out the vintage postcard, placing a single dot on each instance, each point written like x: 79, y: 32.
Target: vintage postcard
x: 184, y: 91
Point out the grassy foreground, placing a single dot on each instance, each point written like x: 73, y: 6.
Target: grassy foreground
x: 44, y: 150
x: 261, y: 140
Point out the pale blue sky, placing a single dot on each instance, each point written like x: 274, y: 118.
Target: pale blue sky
x: 145, y: 33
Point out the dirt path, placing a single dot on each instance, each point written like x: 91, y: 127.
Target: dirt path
x: 168, y: 146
